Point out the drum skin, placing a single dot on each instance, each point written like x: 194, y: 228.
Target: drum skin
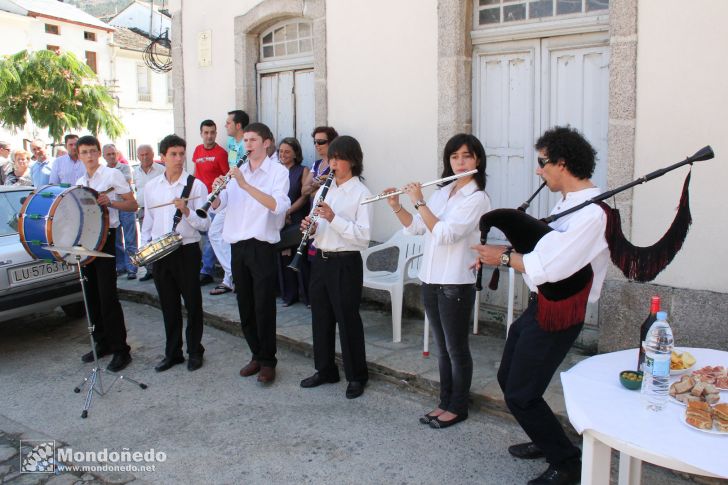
x: 65, y: 217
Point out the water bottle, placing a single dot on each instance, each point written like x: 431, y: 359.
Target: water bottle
x: 658, y: 347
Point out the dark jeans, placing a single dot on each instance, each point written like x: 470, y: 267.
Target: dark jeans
x: 253, y: 265
x: 102, y: 298
x: 449, y: 309
x: 175, y: 275
x: 530, y: 359
x: 336, y: 285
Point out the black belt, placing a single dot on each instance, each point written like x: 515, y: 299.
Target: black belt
x: 335, y: 254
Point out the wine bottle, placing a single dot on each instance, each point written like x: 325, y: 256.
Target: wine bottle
x: 654, y: 308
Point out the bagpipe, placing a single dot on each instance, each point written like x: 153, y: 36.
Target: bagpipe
x: 562, y: 304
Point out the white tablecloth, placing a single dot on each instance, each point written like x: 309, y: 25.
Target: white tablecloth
x: 596, y: 400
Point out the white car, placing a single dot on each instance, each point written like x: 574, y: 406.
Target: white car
x: 30, y: 285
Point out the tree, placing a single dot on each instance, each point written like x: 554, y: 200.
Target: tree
x: 57, y: 91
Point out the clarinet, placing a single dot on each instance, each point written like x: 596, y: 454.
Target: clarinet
x: 202, y: 211
x: 314, y: 218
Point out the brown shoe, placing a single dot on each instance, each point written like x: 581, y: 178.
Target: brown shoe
x: 251, y: 369
x: 267, y: 375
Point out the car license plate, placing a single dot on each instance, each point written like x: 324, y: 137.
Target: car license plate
x: 38, y: 271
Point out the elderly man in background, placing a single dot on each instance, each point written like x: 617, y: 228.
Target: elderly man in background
x: 67, y: 169
x: 143, y: 173
x: 126, y: 233
x: 40, y: 170
x: 5, y: 164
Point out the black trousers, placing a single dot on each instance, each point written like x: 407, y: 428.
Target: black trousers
x: 178, y: 275
x: 335, y: 295
x: 102, y: 298
x: 253, y: 265
x: 530, y: 359
x: 293, y: 284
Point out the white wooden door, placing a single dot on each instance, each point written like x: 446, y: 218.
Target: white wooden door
x: 287, y: 107
x: 576, y: 92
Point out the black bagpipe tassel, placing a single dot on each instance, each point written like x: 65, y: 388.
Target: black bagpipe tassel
x: 493, y: 284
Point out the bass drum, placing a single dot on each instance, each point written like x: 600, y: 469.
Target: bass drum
x: 61, y: 216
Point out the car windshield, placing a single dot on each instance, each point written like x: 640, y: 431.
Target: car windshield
x: 10, y: 203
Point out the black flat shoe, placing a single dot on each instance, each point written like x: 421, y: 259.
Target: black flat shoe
x: 562, y: 474
x: 437, y: 424
x: 146, y: 277
x: 100, y: 352
x: 317, y: 379
x: 354, y: 390
x: 119, y: 362
x: 194, y: 362
x: 168, y: 363
x: 525, y: 451
x: 426, y: 419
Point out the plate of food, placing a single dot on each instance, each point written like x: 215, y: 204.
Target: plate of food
x: 716, y: 375
x: 690, y: 389
x: 681, y: 362
x: 703, y: 417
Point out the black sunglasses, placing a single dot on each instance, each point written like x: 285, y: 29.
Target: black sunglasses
x: 320, y: 142
x: 543, y: 161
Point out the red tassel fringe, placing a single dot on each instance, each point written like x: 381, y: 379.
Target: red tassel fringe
x: 645, y: 263
x: 554, y: 316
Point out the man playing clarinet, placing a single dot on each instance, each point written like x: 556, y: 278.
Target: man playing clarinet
x: 257, y: 200
x: 177, y: 275
x: 534, y: 349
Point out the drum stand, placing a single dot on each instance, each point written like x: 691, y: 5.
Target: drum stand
x: 93, y: 379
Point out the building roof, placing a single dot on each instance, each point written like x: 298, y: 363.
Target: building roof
x: 133, y: 41
x: 53, y: 9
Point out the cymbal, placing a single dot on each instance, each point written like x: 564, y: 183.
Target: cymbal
x: 78, y: 251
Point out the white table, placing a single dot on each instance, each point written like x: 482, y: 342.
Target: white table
x: 611, y: 416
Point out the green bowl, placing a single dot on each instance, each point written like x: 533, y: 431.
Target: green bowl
x: 631, y: 379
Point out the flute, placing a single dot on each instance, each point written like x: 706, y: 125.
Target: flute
x: 433, y: 182
x: 202, y: 211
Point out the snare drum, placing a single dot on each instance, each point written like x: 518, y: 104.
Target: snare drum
x: 157, y: 249
x: 64, y: 217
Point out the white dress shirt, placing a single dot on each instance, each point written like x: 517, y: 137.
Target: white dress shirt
x: 249, y: 219
x: 105, y: 178
x: 577, y: 239
x: 141, y: 178
x: 66, y: 171
x: 350, y: 229
x: 447, y: 256
x: 159, y: 221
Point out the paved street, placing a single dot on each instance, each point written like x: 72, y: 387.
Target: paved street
x: 216, y: 427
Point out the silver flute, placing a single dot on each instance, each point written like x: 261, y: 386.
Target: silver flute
x: 433, y: 182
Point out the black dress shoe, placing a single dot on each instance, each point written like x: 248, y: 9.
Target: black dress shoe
x: 426, y: 419
x: 205, y: 279
x: 317, y: 379
x: 354, y: 390
x: 437, y: 424
x: 562, y: 474
x: 194, y: 362
x: 119, y: 362
x: 146, y: 277
x: 525, y: 451
x: 100, y: 352
x: 168, y: 363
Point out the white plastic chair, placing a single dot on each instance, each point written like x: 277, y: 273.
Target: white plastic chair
x: 408, y: 264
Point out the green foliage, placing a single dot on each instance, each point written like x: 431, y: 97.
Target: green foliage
x: 58, y: 91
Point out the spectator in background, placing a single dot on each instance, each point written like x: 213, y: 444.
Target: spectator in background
x: 40, y: 170
x: 5, y: 164
x: 211, y: 161
x: 19, y: 174
x: 126, y: 233
x: 143, y: 173
x: 67, y: 169
x: 294, y: 284
x: 60, y: 151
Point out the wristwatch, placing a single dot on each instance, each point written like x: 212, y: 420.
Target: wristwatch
x: 419, y: 204
x: 505, y: 258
